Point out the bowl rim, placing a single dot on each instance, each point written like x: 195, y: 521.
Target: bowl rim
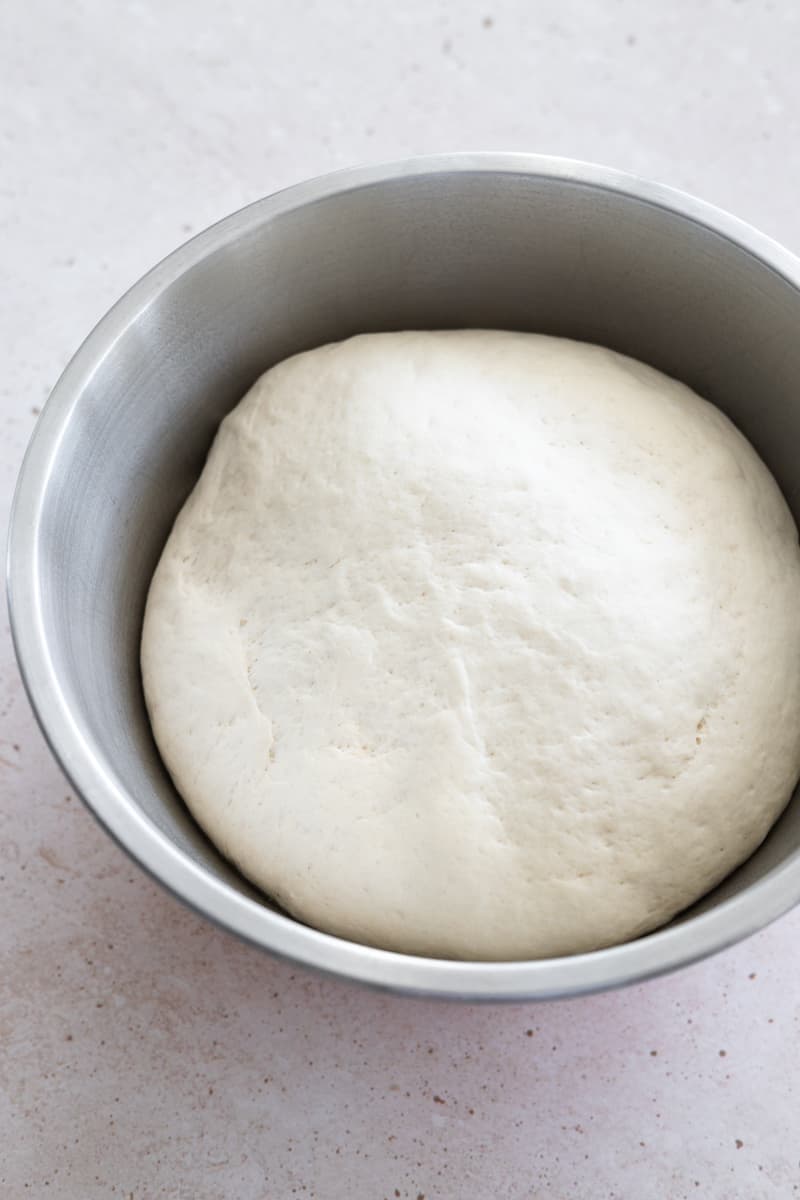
x: 654, y: 954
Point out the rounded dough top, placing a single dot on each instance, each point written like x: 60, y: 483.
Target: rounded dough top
x: 480, y: 645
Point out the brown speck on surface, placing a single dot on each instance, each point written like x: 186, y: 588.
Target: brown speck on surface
x: 723, y: 1053
x: 752, y: 975
x: 35, y: 410
x: 51, y: 858
x: 653, y: 1053
x: 438, y: 1100
x: 739, y: 1143
x: 420, y: 1196
x: 68, y: 1037
x: 397, y: 1191
x: 471, y: 1112
x: 487, y: 22
x: 242, y: 621
x: 528, y: 1033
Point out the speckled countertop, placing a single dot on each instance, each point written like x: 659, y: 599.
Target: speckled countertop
x: 142, y: 1052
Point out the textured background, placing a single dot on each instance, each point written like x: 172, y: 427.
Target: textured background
x: 143, y: 1053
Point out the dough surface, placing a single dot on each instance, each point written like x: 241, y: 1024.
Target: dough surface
x: 479, y: 645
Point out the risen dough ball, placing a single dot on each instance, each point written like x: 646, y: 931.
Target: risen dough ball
x: 478, y: 644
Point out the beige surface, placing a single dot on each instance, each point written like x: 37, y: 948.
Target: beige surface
x: 143, y: 1053
x: 479, y: 644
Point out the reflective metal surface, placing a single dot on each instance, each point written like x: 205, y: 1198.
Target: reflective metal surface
x: 503, y: 240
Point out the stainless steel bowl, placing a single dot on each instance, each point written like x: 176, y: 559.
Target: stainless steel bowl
x: 504, y: 240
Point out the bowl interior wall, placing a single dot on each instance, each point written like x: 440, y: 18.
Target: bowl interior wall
x: 460, y: 250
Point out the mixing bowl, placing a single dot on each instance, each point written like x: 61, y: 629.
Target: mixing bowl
x: 482, y: 240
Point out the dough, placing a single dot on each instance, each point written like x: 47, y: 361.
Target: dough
x: 479, y: 645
